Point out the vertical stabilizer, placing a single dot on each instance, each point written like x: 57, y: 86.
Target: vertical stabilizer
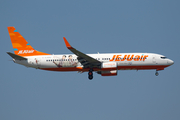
x: 20, y: 45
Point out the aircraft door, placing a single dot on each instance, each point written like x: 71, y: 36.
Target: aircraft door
x: 34, y: 62
x: 154, y: 59
x: 37, y: 62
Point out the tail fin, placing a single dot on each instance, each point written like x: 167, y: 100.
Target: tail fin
x: 20, y: 45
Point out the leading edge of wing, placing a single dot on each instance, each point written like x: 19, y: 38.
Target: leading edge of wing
x: 80, y: 54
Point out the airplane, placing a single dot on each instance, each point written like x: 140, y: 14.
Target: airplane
x: 106, y: 64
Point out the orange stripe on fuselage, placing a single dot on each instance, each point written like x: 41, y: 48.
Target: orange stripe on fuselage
x: 145, y: 67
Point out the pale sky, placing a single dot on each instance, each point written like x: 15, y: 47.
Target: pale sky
x: 90, y: 27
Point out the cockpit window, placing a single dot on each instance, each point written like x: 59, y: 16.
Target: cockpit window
x: 163, y: 57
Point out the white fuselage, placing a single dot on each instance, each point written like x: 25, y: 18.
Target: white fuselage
x: 124, y: 61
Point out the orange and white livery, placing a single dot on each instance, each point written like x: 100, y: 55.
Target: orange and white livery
x: 104, y: 64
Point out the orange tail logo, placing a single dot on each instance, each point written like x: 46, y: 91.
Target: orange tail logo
x: 20, y: 45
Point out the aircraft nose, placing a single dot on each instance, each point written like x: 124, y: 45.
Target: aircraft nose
x: 170, y: 62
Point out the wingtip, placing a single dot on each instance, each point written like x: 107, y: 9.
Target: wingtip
x: 67, y: 44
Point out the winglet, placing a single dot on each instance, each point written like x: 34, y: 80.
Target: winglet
x: 67, y: 43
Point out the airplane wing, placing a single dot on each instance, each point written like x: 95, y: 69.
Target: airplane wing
x: 16, y: 57
x: 84, y: 59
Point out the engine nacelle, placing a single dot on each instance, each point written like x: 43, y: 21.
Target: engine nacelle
x: 109, y: 66
x: 108, y: 73
x: 108, y: 69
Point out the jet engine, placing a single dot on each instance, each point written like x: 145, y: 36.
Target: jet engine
x: 108, y: 69
x: 109, y: 66
x: 108, y: 73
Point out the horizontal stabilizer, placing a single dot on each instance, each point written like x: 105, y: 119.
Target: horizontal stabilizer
x: 16, y: 57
